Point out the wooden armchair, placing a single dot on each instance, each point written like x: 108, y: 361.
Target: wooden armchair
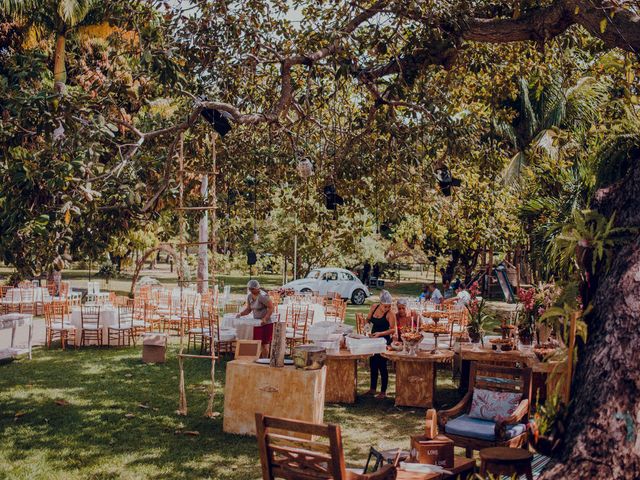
x: 290, y: 457
x: 476, y: 434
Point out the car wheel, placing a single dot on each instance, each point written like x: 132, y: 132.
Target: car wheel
x: 358, y: 297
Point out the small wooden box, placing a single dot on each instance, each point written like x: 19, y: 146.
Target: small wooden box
x: 437, y: 451
x: 154, y: 347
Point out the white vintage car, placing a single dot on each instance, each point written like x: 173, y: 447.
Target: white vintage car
x: 327, y: 280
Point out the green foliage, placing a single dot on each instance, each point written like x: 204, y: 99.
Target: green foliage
x: 588, y: 241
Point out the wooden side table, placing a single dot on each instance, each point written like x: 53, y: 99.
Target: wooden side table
x: 342, y: 377
x: 506, y: 461
x: 416, y: 377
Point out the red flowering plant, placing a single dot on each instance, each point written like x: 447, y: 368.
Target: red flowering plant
x: 535, y: 301
x: 477, y: 315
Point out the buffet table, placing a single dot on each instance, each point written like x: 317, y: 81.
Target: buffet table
x: 545, y: 374
x: 342, y: 376
x: 108, y: 318
x: 416, y: 377
x: 252, y: 388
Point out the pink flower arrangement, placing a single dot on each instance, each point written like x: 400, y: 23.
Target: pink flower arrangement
x: 474, y: 290
x: 527, y: 298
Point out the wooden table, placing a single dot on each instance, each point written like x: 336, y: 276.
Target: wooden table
x: 506, y: 461
x: 342, y: 376
x: 416, y: 377
x: 545, y: 374
x: 463, y: 466
x: 287, y: 392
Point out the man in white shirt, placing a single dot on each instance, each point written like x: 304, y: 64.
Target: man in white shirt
x: 463, y: 297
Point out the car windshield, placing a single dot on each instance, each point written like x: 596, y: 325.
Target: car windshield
x: 314, y: 274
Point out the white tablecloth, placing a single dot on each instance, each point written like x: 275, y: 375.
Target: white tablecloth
x: 18, y: 295
x: 243, y: 325
x: 108, y: 318
x: 12, y: 321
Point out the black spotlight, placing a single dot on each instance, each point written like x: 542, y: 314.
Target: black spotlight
x: 332, y: 199
x: 219, y: 120
x: 252, y: 258
x: 446, y: 181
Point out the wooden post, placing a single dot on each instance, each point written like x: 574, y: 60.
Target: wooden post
x: 278, y: 344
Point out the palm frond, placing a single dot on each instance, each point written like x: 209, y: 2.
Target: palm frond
x: 526, y: 108
x: 585, y: 100
x: 511, y: 173
x: 72, y: 12
x: 552, y: 106
x: 18, y: 9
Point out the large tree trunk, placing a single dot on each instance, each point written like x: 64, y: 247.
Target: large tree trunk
x: 602, y: 440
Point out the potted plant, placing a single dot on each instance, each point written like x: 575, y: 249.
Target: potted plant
x: 525, y: 317
x: 547, y: 426
x: 478, y: 318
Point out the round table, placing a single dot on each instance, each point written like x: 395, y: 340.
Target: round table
x: 342, y: 376
x: 243, y: 325
x: 416, y: 377
x: 108, y: 318
x: 506, y: 461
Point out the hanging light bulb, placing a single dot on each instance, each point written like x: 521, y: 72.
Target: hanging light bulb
x: 305, y: 168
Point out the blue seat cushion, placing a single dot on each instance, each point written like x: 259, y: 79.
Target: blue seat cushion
x: 466, y: 426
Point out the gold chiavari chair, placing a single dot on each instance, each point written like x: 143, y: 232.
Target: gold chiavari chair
x: 225, y: 339
x: 232, y: 307
x: 27, y: 300
x: 90, y: 324
x: 64, y: 289
x: 123, y: 332
x: 58, y: 325
x: 200, y: 330
x: 361, y: 321
x: 297, y: 334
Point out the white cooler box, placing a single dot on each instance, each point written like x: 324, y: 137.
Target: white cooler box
x: 325, y: 330
x: 359, y: 346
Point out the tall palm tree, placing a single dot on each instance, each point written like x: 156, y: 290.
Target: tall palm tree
x: 59, y: 17
x: 543, y: 115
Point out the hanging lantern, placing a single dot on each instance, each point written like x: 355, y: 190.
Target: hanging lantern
x: 305, y: 168
x: 256, y: 237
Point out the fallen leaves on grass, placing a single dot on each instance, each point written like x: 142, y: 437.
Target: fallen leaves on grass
x: 18, y: 415
x: 190, y: 433
x: 62, y: 403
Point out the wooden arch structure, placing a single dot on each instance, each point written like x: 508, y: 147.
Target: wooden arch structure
x: 162, y: 247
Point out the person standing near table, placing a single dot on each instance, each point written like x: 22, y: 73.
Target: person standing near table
x: 260, y: 305
x: 383, y: 325
x: 405, y: 316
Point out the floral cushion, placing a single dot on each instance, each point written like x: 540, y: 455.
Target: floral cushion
x: 494, y: 406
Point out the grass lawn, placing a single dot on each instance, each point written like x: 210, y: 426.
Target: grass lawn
x: 120, y: 420
x: 118, y: 417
